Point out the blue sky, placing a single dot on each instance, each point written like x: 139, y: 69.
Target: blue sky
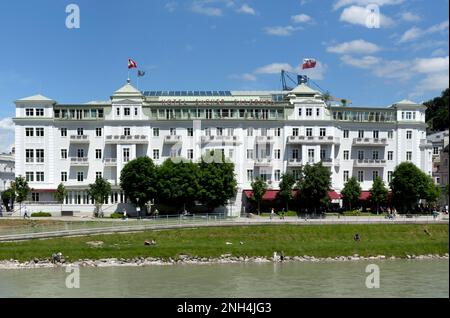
x: 220, y: 45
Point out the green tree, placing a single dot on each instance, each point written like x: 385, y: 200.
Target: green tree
x: 432, y: 193
x: 8, y: 197
x: 436, y: 113
x: 409, y: 184
x: 99, y: 191
x: 217, y: 181
x: 286, y: 185
x: 378, y: 193
x: 138, y: 180
x: 351, y: 192
x: 344, y: 102
x: 60, y: 194
x: 178, y: 182
x: 259, y: 188
x: 21, y: 190
x: 314, y: 185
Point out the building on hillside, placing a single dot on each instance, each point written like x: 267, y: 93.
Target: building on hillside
x: 7, y: 173
x: 265, y: 133
x: 438, y: 141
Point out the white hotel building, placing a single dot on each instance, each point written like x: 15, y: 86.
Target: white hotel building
x: 265, y: 133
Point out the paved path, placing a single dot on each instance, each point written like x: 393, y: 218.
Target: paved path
x: 150, y: 224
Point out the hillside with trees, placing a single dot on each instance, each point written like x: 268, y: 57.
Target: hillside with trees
x: 437, y: 112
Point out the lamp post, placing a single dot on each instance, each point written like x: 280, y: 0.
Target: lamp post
x: 138, y: 209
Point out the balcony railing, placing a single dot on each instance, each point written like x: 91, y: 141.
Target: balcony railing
x: 219, y: 139
x: 294, y: 162
x: 79, y: 161
x: 313, y: 140
x: 110, y: 161
x: 370, y: 142
x: 79, y: 138
x: 135, y: 139
x: 264, y: 139
x: 172, y: 139
x: 370, y: 162
x: 263, y: 162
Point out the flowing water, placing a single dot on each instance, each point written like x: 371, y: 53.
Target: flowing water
x: 398, y: 278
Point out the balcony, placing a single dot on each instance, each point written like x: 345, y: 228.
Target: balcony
x: 294, y: 162
x: 322, y: 140
x: 79, y: 139
x: 79, y: 161
x: 126, y: 139
x: 327, y: 162
x: 376, y: 142
x: 110, y: 162
x: 219, y: 139
x: 264, y: 139
x: 370, y: 163
x: 172, y: 139
x: 263, y: 162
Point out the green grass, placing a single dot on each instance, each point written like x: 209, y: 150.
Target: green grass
x: 313, y: 240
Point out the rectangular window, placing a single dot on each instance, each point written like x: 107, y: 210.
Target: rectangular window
x: 219, y: 131
x: 80, y: 176
x: 375, y: 155
x: 346, y: 133
x: 389, y: 175
x: 435, y: 150
x: 126, y: 111
x: 323, y: 154
x: 29, y: 155
x: 360, y: 133
x: 294, y: 153
x: 294, y: 131
x: 209, y: 114
x: 360, y: 154
x: 409, y: 134
x: 277, y: 153
x: 126, y: 154
x: 40, y: 155
x: 118, y: 111
x: 190, y: 154
x: 98, y: 175
x: 297, y: 174
x: 277, y: 175
x: 308, y: 112
x: 190, y: 132
x: 63, y: 132
x: 29, y: 176
x: 360, y: 176
x: 263, y: 131
x: 346, y: 175
x: 63, y: 176
x: 156, y: 154
x: 39, y: 132
x: 323, y: 132
x: 250, y: 132
x: 135, y: 111
x: 249, y: 175
x: 230, y: 153
x: 374, y: 174
x: 317, y: 111
x: 390, y: 155
x: 310, y: 155
x: 346, y: 154
x: 98, y: 132
x: 35, y: 196
x: 29, y: 112
x: 40, y: 176
x: 39, y: 112
x: 390, y: 134
x: 98, y: 154
x: 63, y: 153
x: 173, y: 131
x: 80, y: 153
x: 29, y: 132
x: 376, y: 133
x: 156, y: 132
x: 277, y: 132
x: 308, y: 132
x: 409, y: 155
x: 127, y: 131
x: 300, y: 112
x: 249, y: 153
x: 80, y: 131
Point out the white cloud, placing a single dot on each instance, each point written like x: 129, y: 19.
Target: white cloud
x: 201, y: 8
x: 439, y: 52
x: 344, y: 3
x: 316, y: 73
x: 358, y: 15
x: 281, y: 30
x: 364, y: 62
x: 171, y: 6
x: 355, y: 47
x: 410, y: 17
x: 301, y: 18
x: 245, y: 8
x: 274, y: 68
x: 431, y: 65
x: 7, y: 124
x: 244, y: 77
x: 415, y: 32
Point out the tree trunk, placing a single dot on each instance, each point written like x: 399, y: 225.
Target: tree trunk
x: 259, y: 207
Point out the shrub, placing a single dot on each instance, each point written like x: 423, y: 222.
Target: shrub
x: 352, y: 213
x: 116, y: 215
x: 41, y: 214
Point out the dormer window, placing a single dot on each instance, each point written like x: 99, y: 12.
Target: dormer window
x: 127, y: 111
x: 118, y: 111
x: 29, y: 112
x: 308, y: 112
x: 39, y: 112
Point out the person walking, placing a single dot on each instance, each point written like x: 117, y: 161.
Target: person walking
x: 25, y: 215
x: 272, y: 213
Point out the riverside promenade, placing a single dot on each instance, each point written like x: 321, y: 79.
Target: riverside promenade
x: 73, y: 226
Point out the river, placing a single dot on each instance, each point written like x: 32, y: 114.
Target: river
x: 398, y: 278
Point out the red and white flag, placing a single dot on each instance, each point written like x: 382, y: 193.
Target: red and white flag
x: 309, y: 63
x: 131, y: 64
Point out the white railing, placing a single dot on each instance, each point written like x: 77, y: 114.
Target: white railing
x: 110, y: 161
x: 126, y: 138
x: 172, y: 139
x: 264, y: 139
x: 206, y: 139
x: 79, y: 138
x: 314, y: 139
x: 263, y: 162
x: 293, y: 162
x: 79, y: 160
x: 364, y: 162
x: 370, y: 141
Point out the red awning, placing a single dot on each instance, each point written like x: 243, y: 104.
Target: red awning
x: 333, y: 195
x: 43, y: 190
x: 271, y: 195
x: 365, y: 195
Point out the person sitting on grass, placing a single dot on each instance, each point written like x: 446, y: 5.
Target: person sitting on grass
x: 356, y: 237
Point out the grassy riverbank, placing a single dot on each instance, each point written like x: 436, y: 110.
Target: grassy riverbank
x: 314, y: 240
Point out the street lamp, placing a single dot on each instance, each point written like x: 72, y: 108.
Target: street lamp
x: 137, y: 208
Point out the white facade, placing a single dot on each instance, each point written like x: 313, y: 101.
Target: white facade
x: 265, y: 133
x: 7, y: 172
